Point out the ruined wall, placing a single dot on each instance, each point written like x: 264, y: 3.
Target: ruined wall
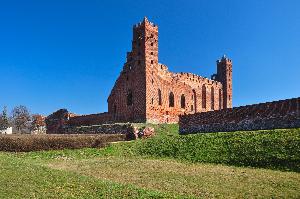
x: 131, y: 131
x: 190, y: 92
x: 56, y: 122
x: 63, y: 122
x: 93, y: 119
x: 270, y: 115
x: 143, y: 90
x: 100, y: 129
x: 125, y: 129
x: 94, y: 126
x: 146, y: 91
x: 127, y: 100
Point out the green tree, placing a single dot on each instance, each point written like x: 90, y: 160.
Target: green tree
x: 4, y: 122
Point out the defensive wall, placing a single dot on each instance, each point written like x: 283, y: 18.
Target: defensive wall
x: 270, y: 115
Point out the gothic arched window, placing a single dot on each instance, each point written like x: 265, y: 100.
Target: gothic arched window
x: 159, y: 97
x: 203, y: 96
x: 171, y: 100
x: 182, y: 101
x: 194, y: 97
x: 212, y: 98
x: 129, y: 98
x: 220, y: 99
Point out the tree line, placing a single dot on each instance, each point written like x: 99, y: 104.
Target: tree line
x: 21, y: 119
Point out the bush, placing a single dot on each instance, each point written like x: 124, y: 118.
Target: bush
x: 278, y: 149
x: 25, y: 143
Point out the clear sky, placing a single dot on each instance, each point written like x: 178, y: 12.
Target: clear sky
x: 68, y: 53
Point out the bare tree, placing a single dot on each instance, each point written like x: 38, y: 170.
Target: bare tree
x: 21, y: 118
x: 4, y: 122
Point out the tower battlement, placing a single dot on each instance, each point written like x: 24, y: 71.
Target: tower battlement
x: 145, y: 21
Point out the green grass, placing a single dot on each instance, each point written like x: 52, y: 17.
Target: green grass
x: 21, y: 178
x: 198, y: 180
x: 165, y: 166
x: 274, y: 149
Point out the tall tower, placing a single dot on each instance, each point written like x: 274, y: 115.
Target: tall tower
x: 145, y: 49
x: 224, y: 75
x: 145, y: 44
x: 129, y: 97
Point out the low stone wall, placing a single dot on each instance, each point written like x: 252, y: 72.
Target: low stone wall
x: 270, y: 115
x: 92, y: 119
x: 129, y: 130
x: 57, y: 122
x: 124, y: 129
x: 63, y: 122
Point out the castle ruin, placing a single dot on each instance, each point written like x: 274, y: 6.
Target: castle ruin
x: 146, y: 91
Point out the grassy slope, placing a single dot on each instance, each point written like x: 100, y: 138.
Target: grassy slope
x: 143, y: 165
x: 274, y: 149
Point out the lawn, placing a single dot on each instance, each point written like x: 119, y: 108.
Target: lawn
x: 261, y: 164
x: 21, y: 178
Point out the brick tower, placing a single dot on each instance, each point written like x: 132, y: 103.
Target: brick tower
x: 224, y: 75
x: 127, y: 100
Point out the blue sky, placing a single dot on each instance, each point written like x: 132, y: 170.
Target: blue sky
x: 67, y: 54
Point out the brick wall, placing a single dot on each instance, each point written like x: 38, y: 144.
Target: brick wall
x: 125, y: 129
x: 270, y: 115
x: 75, y: 126
x: 63, y: 122
x: 127, y: 100
x: 57, y: 122
x: 100, y: 129
x: 150, y: 85
x: 93, y: 119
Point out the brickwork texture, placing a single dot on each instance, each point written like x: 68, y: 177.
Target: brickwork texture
x: 270, y: 115
x: 146, y: 91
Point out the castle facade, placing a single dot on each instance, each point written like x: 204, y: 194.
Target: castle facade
x: 146, y: 91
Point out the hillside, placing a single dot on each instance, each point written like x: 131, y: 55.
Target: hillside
x: 260, y: 164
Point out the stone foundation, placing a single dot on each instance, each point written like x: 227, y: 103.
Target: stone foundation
x: 123, y: 129
x: 100, y: 129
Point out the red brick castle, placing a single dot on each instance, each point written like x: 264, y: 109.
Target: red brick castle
x: 146, y: 91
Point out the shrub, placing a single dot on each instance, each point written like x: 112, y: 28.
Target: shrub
x: 25, y: 143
